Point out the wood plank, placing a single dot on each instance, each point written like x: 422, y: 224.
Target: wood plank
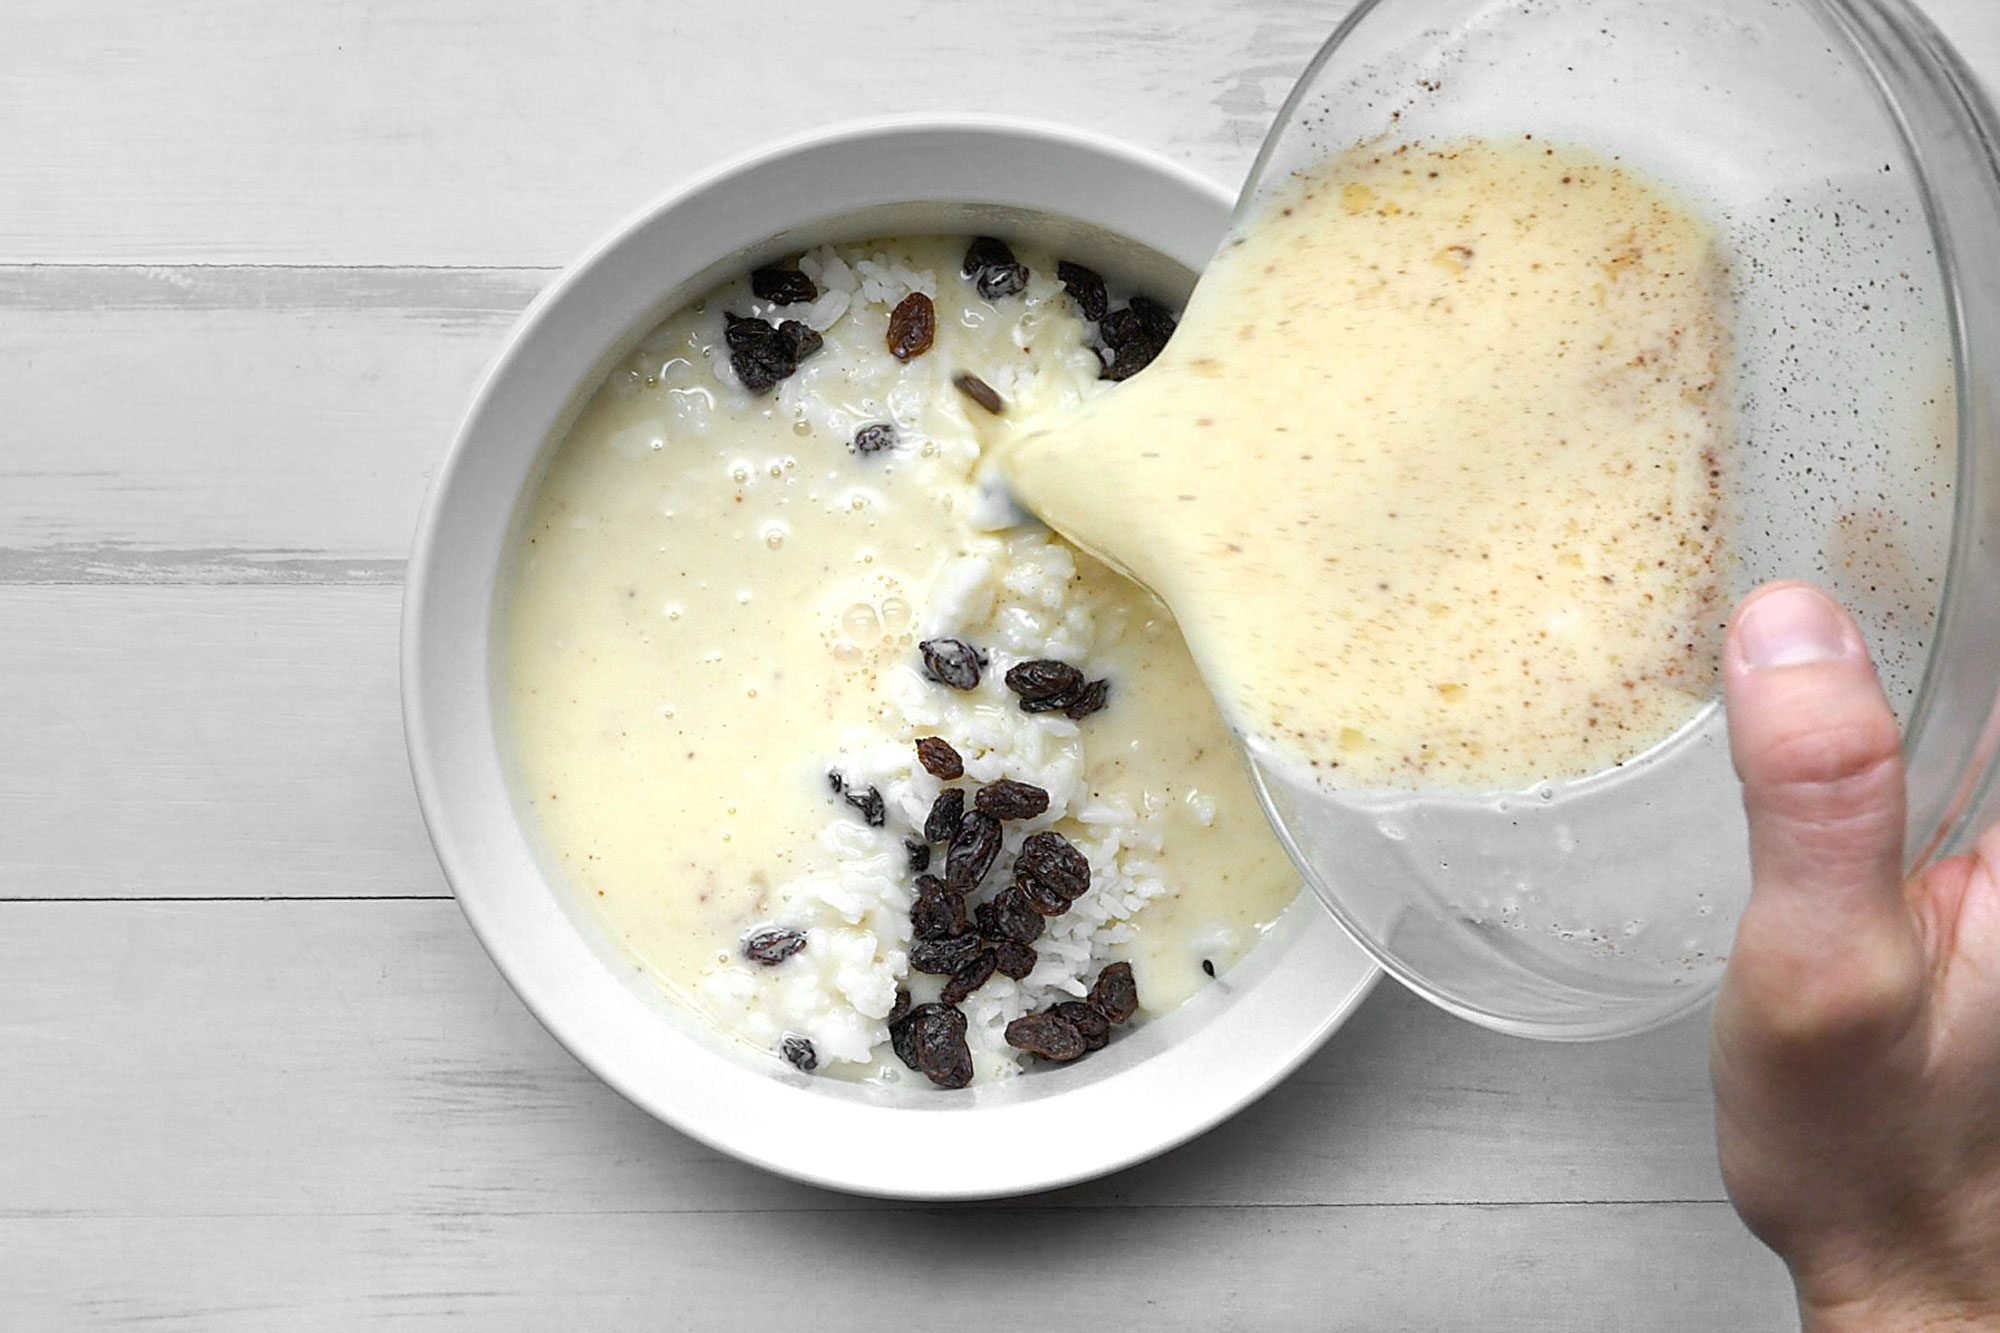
x: 291, y: 1060
x: 1644, y: 1269
x: 197, y: 742
x: 232, y: 425
x: 473, y: 132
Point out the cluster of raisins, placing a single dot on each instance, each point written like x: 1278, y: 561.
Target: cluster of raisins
x: 968, y: 943
x: 763, y: 354
x: 1070, y: 1030
x: 1042, y: 686
x: 1128, y: 339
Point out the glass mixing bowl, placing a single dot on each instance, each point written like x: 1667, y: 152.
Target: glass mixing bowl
x: 1849, y: 160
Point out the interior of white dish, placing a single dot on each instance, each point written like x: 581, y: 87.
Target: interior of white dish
x: 1135, y: 219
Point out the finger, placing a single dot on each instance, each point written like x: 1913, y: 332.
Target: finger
x: 1817, y: 747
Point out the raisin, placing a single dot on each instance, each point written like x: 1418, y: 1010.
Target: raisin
x: 952, y: 662
x: 912, y: 327
x: 1040, y: 898
x: 773, y: 945
x: 799, y: 1050
x: 875, y: 438
x: 979, y: 391
x: 1011, y: 958
x: 782, y: 286
x: 1093, y: 1027
x: 901, y: 1008
x: 1055, y: 861
x: 801, y: 340
x: 985, y: 252
x: 941, y: 958
x: 902, y: 1033
x: 947, y: 814
x: 870, y: 804
x: 969, y: 978
x: 1008, y: 799
x: 1085, y: 288
x: 919, y: 854
x: 994, y: 270
x: 1010, y: 917
x: 937, y: 1045
x: 939, y: 758
x: 972, y: 852
x: 762, y: 354
x: 1135, y: 335
x: 1048, y: 1035
x: 1115, y: 994
x: 1043, y: 682
x: 1090, y: 699
x: 835, y: 781
x: 938, y: 916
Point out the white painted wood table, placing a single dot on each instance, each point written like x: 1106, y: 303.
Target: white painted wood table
x: 254, y: 1071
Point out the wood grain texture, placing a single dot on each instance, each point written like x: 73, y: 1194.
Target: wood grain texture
x: 198, y: 742
x: 295, y: 1058
x: 232, y: 425
x: 1660, y: 1269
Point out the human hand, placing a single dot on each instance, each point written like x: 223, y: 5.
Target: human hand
x: 1857, y: 1039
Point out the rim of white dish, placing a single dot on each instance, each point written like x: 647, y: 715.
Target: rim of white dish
x: 1160, y: 1086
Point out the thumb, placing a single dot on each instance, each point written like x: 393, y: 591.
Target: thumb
x: 1817, y: 747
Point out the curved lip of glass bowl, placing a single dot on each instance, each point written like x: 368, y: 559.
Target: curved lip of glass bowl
x: 550, y: 1010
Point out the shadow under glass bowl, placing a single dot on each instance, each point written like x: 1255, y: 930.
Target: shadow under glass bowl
x: 1849, y: 162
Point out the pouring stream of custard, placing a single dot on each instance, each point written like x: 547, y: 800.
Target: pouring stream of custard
x: 1432, y: 474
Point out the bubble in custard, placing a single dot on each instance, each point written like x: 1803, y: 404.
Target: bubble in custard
x: 861, y: 623
x: 775, y: 533
x: 895, y: 614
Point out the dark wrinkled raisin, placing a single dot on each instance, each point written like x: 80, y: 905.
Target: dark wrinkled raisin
x: 762, y: 354
x: 919, y: 854
x: 1008, y: 799
x: 801, y: 340
x: 1055, y: 861
x: 835, y: 781
x: 969, y: 978
x: 938, y: 915
x: 901, y: 1008
x: 939, y: 758
x: 1115, y: 994
x: 773, y: 945
x: 947, y: 814
x: 992, y: 267
x: 983, y: 253
x: 1048, y: 1035
x: 799, y: 1050
x: 1093, y: 1027
x: 979, y: 391
x: 1009, y: 917
x: 1090, y: 699
x: 912, y: 327
x: 1043, y: 681
x: 1085, y: 288
x: 875, y: 438
x: 782, y: 286
x: 937, y: 1045
x: 1011, y: 958
x: 952, y: 662
x: 1040, y: 898
x: 972, y: 852
x: 870, y: 805
x: 943, y: 957
x: 902, y: 1035
x: 1208, y: 967
x: 1135, y: 336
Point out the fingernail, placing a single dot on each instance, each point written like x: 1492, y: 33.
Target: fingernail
x: 1792, y: 627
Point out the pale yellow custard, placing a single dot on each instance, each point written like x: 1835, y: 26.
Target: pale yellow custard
x: 717, y: 599
x: 1431, y: 474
